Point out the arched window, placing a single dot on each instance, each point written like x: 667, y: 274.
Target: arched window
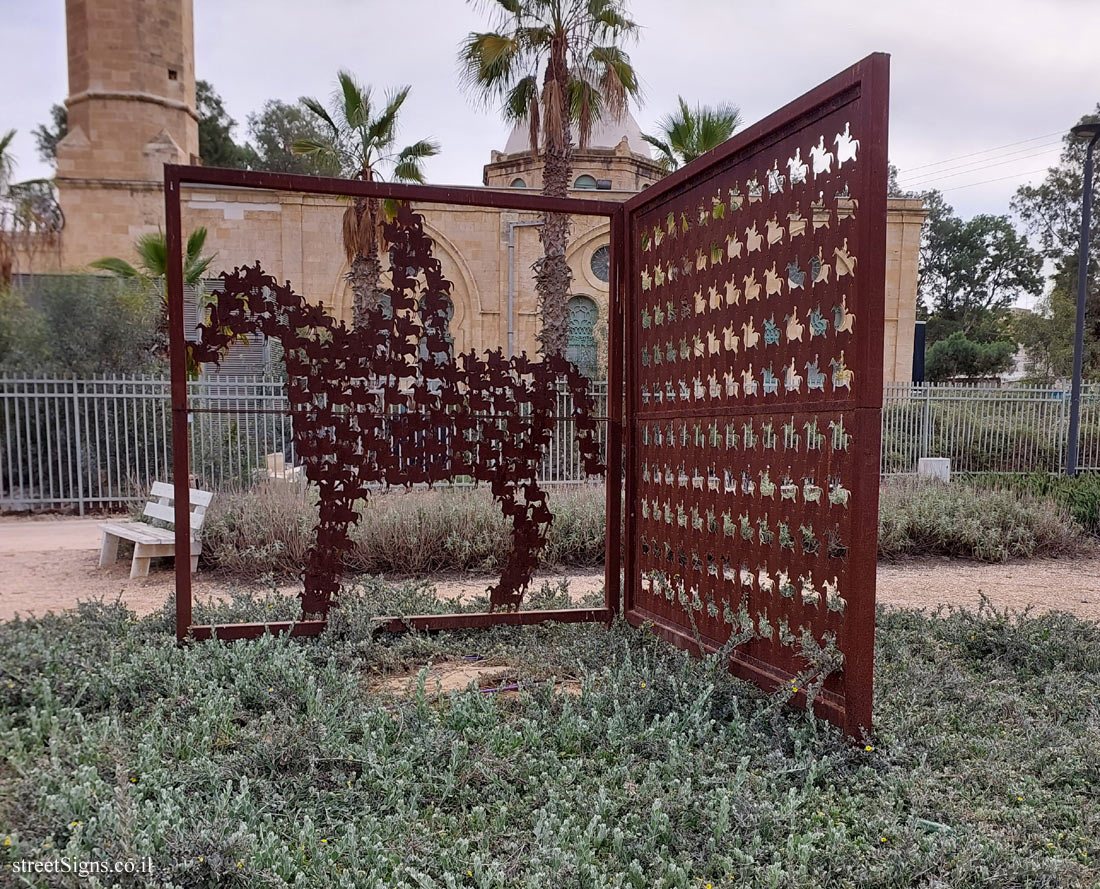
x: 585, y: 181
x: 582, y: 341
x: 518, y: 183
x: 601, y: 263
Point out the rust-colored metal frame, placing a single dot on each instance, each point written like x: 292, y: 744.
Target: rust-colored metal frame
x: 864, y: 90
x: 861, y: 92
x: 176, y: 176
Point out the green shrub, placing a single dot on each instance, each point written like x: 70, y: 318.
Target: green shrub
x: 80, y: 325
x: 269, y: 528
x: 1079, y: 495
x: 280, y: 762
x: 930, y: 518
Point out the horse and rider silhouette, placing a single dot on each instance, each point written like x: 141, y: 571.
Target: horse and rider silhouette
x: 388, y: 403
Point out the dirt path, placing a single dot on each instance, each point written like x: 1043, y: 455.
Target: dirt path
x: 51, y: 563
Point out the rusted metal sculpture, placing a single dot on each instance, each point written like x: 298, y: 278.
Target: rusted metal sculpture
x: 388, y: 403
x: 755, y: 328
x: 745, y: 338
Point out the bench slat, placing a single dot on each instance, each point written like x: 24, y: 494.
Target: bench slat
x: 197, y: 497
x: 168, y: 514
x: 132, y: 531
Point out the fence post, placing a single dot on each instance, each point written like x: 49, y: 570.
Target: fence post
x: 1063, y: 432
x: 926, y: 422
x: 79, y: 450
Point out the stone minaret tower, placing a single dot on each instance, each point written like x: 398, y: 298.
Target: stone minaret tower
x: 131, y: 109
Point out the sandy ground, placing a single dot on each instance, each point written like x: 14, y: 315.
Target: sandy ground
x: 49, y: 563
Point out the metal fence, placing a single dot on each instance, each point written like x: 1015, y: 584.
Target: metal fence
x: 100, y: 443
x: 986, y: 428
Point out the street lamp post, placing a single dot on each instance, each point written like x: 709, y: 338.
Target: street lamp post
x: 1090, y: 131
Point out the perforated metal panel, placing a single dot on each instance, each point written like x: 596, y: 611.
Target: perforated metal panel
x: 755, y: 287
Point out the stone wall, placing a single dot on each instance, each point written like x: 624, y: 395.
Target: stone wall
x: 297, y: 237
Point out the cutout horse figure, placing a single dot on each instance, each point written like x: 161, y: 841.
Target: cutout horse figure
x: 387, y: 402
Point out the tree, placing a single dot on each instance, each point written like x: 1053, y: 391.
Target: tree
x: 957, y: 357
x: 78, y: 325
x: 1051, y: 212
x: 972, y: 271
x: 274, y: 129
x: 152, y: 269
x: 553, y: 64
x: 893, y: 190
x: 216, y: 145
x: 358, y: 139
x: 47, y: 135
x: 7, y: 247
x: 7, y: 160
x: 689, y: 132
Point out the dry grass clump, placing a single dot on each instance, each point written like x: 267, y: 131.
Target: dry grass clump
x: 269, y: 528
x: 933, y: 519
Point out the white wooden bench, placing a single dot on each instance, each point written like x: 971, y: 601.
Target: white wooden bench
x: 151, y: 542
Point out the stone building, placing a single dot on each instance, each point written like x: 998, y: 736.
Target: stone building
x: 132, y: 108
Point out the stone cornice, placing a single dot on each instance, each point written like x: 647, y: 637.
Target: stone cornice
x: 132, y: 184
x: 130, y: 96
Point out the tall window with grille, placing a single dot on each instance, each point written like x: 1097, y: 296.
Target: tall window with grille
x: 582, y: 340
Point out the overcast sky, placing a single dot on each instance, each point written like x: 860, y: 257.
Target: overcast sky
x: 968, y: 76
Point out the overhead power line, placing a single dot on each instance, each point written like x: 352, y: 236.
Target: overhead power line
x: 986, y: 151
x: 998, y: 179
x: 924, y: 184
x: 908, y: 180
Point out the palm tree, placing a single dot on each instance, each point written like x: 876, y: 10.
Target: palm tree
x: 361, y: 143
x: 553, y: 63
x: 7, y: 159
x: 690, y: 132
x: 152, y: 269
x: 7, y: 248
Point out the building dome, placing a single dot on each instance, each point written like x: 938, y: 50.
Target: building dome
x: 606, y: 133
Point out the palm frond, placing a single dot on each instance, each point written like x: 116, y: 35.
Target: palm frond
x: 7, y: 161
x: 618, y: 81
x: 534, y: 122
x: 488, y: 63
x: 517, y: 101
x: 350, y: 231
x: 408, y: 170
x: 195, y: 269
x: 195, y: 242
x: 310, y: 146
x: 533, y: 38
x: 354, y: 100
x: 611, y: 18
x: 321, y: 112
x: 380, y: 131
x: 585, y: 107
x: 690, y: 132
x: 152, y: 251
x: 116, y: 266
x: 667, y: 158
x: 419, y: 150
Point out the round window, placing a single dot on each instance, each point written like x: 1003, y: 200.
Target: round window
x: 601, y: 263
